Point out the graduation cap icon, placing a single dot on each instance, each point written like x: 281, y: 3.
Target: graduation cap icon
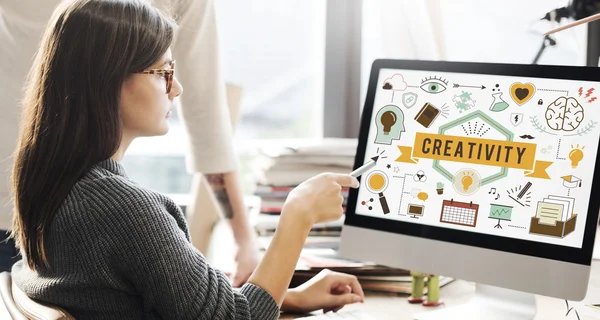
x: 571, y: 181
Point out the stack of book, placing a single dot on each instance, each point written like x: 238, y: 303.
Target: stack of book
x: 279, y: 169
x: 372, y: 278
x: 289, y: 165
x: 266, y: 224
x: 322, y: 253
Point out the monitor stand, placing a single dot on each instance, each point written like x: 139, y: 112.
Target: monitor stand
x: 489, y: 303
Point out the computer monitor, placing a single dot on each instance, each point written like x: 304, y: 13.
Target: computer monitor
x: 485, y: 173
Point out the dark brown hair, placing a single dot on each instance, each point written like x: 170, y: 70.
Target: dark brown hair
x: 70, y: 117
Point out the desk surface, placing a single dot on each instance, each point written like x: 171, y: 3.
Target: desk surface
x: 396, y: 307
x: 387, y: 307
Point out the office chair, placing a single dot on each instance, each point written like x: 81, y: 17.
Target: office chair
x: 17, y: 305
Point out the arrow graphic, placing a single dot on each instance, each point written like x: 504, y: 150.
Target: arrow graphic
x: 456, y: 85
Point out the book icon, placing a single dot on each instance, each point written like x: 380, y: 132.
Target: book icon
x: 427, y: 115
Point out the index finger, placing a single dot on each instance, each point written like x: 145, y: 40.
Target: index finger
x: 345, y: 180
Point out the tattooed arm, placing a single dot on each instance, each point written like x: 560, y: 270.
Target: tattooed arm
x: 228, y: 191
x: 217, y: 182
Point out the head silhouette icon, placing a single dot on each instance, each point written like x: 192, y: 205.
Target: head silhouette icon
x: 390, y: 124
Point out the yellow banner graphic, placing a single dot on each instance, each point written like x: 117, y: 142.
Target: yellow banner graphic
x: 405, y: 155
x: 498, y: 153
x: 539, y: 171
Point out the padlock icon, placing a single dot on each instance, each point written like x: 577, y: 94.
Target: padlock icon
x: 540, y: 102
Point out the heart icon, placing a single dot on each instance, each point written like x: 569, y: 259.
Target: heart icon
x: 521, y: 93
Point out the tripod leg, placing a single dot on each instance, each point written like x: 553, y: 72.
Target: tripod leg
x: 548, y: 41
x: 539, y: 53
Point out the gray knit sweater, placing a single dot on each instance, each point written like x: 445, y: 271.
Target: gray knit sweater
x: 119, y: 251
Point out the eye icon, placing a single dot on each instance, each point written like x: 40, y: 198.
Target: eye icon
x: 434, y: 85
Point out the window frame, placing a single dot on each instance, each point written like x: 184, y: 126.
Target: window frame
x: 343, y: 51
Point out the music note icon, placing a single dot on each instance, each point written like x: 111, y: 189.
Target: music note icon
x: 492, y: 191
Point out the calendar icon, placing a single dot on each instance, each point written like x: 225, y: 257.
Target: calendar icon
x: 461, y: 213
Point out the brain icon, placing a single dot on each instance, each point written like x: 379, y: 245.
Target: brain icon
x: 564, y: 114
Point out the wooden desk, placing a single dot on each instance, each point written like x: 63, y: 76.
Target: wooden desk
x: 387, y: 307
x: 397, y: 308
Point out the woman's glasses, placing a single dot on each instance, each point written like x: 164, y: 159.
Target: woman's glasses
x: 167, y: 73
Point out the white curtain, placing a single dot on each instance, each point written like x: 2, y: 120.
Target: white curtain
x: 464, y: 30
x: 400, y: 29
x: 411, y: 29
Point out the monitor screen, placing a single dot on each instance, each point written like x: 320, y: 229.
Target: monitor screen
x: 502, y: 155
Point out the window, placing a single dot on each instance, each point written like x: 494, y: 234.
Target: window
x: 465, y: 30
x: 275, y: 51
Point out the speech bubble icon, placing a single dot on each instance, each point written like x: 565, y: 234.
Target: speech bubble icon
x: 415, y: 192
x: 423, y: 196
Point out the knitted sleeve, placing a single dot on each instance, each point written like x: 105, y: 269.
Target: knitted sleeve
x: 151, y: 250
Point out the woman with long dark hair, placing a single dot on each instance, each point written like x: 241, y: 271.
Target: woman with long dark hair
x: 97, y: 244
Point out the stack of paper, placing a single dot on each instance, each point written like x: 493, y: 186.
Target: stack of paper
x: 555, y: 208
x: 278, y: 169
x: 266, y: 224
x: 291, y: 164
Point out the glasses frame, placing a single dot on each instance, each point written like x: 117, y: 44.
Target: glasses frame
x: 167, y: 73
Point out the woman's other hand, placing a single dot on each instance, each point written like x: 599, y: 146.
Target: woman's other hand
x: 247, y: 259
x: 328, y: 290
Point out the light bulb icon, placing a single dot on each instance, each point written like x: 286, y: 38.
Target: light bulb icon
x: 467, y: 181
x: 576, y: 155
x: 388, y: 119
x: 390, y: 124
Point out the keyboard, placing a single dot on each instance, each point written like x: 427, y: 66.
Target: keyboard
x: 341, y: 315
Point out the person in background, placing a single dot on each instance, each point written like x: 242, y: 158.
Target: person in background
x: 203, y: 109
x: 93, y: 241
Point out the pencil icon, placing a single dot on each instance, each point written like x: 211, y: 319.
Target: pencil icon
x: 522, y: 193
